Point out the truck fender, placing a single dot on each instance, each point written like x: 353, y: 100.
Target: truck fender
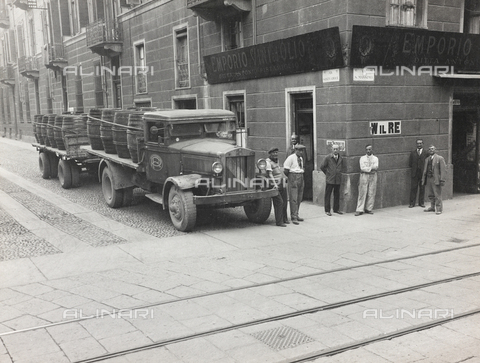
x: 122, y: 177
x: 182, y: 182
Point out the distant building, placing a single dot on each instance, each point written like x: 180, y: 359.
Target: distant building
x: 384, y: 72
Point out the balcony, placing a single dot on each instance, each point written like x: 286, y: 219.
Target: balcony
x: 28, y: 67
x: 7, y: 75
x: 4, y: 19
x: 54, y: 56
x: 25, y: 4
x: 213, y: 9
x: 104, y: 38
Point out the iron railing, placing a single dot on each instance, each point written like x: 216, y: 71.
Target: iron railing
x: 54, y: 53
x: 103, y: 31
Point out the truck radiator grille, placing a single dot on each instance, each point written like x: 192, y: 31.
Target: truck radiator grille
x: 237, y: 173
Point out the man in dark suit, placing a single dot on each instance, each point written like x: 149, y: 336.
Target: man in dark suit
x: 417, y: 163
x: 434, y: 176
x: 332, y: 167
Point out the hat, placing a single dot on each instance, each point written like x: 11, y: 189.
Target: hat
x: 273, y: 149
x: 298, y: 146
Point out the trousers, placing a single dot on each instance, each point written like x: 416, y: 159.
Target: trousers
x: 367, y: 188
x: 434, y: 193
x: 295, y: 192
x: 336, y: 197
x: 280, y: 203
x: 416, y: 185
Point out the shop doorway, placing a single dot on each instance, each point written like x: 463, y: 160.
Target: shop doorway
x: 302, y: 125
x: 465, y: 150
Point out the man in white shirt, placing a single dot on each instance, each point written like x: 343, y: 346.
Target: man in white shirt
x: 294, y: 168
x: 367, y: 185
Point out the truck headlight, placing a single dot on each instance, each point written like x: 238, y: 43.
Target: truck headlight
x: 261, y: 164
x: 217, y: 167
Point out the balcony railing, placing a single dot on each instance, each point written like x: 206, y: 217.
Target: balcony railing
x: 54, y: 56
x: 104, y: 37
x: 28, y: 67
x: 7, y: 75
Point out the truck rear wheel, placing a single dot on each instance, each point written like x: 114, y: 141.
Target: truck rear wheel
x: 113, y: 197
x: 127, y: 197
x: 259, y: 210
x: 65, y: 174
x: 53, y: 165
x: 44, y: 165
x: 183, y: 212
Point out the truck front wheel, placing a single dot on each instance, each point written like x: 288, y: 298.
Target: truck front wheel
x: 113, y: 197
x: 259, y: 210
x: 183, y: 212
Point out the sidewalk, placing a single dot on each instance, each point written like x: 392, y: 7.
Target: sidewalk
x: 136, y: 269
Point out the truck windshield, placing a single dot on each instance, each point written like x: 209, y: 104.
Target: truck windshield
x: 222, y: 130
x: 186, y: 130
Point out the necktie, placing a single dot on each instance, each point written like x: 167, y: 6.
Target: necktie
x: 419, y: 151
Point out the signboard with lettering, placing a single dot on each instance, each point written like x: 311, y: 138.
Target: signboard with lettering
x: 394, y: 47
x: 309, y: 52
x: 378, y: 128
x: 331, y: 75
x: 340, y: 143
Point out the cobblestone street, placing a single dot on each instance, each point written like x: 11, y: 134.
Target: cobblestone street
x: 80, y: 282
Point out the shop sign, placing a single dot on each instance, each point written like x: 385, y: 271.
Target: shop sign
x: 309, y: 52
x: 385, y: 128
x: 363, y: 74
x: 340, y: 143
x: 331, y: 75
x: 396, y: 47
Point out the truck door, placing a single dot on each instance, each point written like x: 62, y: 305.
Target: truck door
x: 155, y: 153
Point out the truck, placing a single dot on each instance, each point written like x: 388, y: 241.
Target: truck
x: 187, y: 161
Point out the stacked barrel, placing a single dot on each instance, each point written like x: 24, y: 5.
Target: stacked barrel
x: 37, y: 128
x: 119, y: 131
x: 93, y: 128
x: 58, y: 121
x: 43, y: 130
x: 106, y: 134
x: 134, y: 133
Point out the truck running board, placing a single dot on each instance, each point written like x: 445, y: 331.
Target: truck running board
x: 156, y: 197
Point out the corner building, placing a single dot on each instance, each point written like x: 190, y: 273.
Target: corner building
x: 380, y: 72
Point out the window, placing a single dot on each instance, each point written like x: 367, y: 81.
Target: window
x: 78, y: 11
x: 21, y: 41
x: 185, y: 103
x: 182, y: 69
x: 27, y: 103
x: 236, y: 104
x: 232, y: 33
x: 472, y: 17
x: 37, y: 96
x: 140, y: 68
x: 33, y: 41
x: 408, y: 13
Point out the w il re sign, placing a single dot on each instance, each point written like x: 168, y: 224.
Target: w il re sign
x: 385, y: 127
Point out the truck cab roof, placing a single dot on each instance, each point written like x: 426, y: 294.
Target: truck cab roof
x: 190, y: 116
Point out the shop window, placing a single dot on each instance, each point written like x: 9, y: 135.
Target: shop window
x: 407, y: 13
x: 232, y: 33
x: 140, y: 68
x: 182, y: 69
x: 236, y: 104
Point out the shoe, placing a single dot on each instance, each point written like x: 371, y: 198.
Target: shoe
x: 338, y: 212
x: 295, y: 222
x: 422, y: 205
x: 328, y: 214
x: 429, y: 210
x: 300, y: 219
x: 438, y: 213
x: 281, y: 225
x: 358, y: 214
x: 411, y: 206
x: 368, y: 212
x: 286, y: 221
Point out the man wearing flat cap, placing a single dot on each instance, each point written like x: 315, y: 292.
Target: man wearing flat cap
x: 277, y: 181
x: 294, y: 168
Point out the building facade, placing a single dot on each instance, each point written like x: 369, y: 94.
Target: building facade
x: 380, y: 72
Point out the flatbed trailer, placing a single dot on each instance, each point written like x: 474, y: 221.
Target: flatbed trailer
x: 66, y: 164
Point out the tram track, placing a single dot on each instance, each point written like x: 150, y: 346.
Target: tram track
x: 247, y: 287
x: 281, y: 317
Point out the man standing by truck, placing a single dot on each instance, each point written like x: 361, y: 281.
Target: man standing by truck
x: 294, y: 168
x: 277, y: 180
x: 332, y: 167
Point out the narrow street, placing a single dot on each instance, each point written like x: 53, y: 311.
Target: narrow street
x: 81, y: 282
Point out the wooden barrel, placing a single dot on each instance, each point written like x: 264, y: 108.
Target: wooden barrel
x: 106, y: 133
x: 43, y: 130
x: 51, y: 130
x: 93, y: 129
x: 120, y: 134
x: 37, y: 128
x: 135, y: 132
x: 58, y: 132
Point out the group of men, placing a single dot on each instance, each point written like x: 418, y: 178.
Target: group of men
x: 428, y: 175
